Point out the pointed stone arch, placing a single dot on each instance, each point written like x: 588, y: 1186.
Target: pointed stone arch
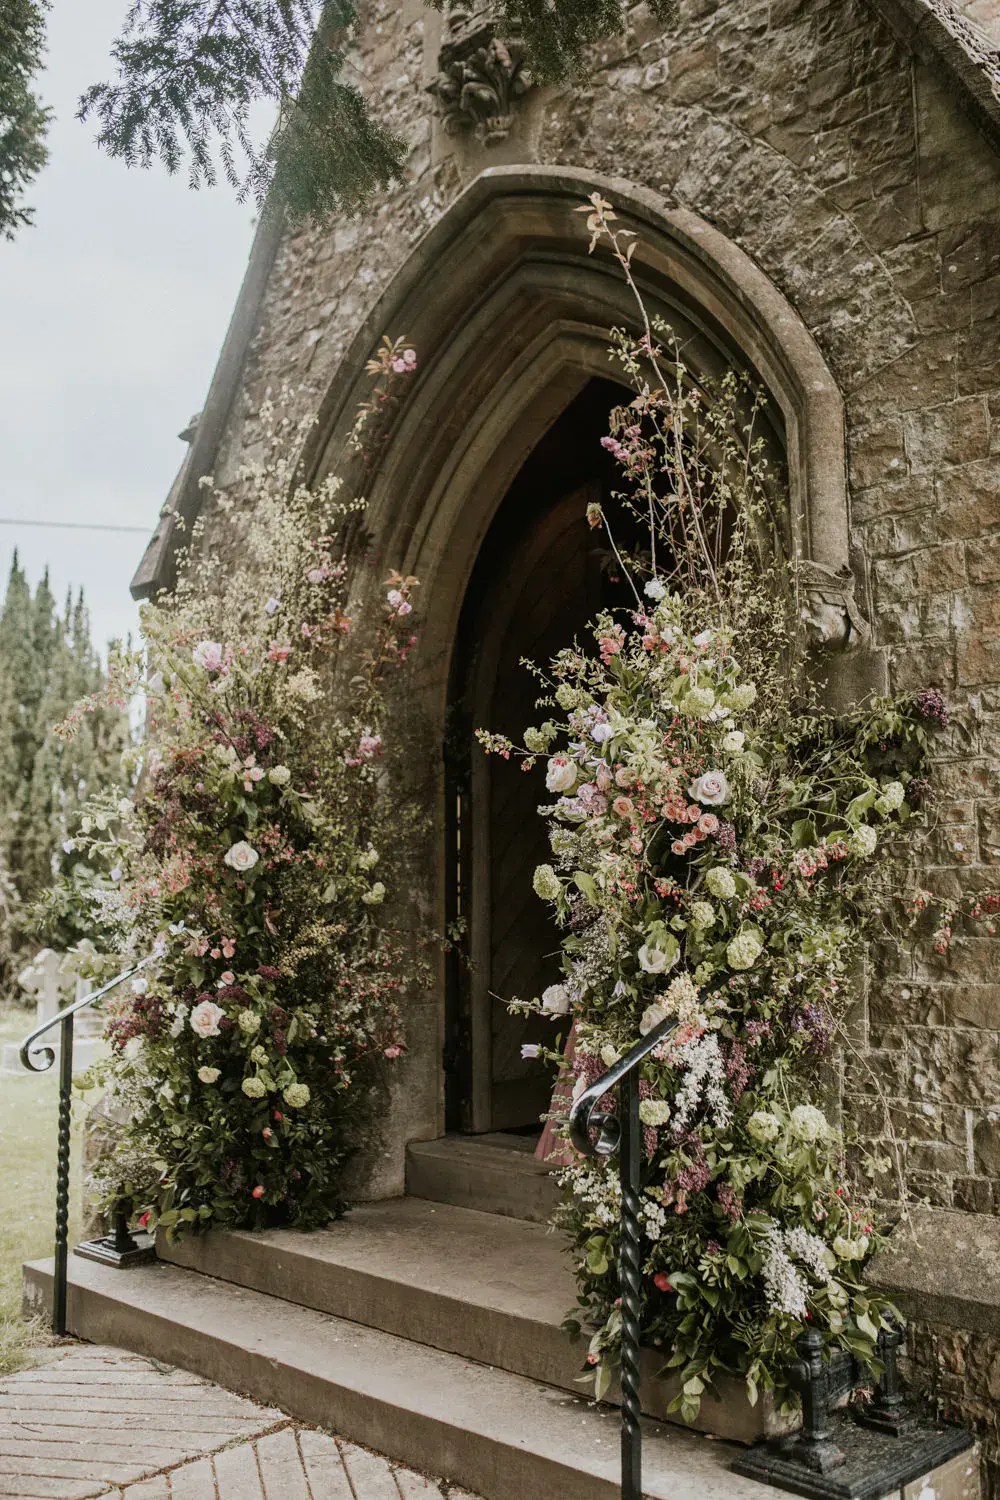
x: 510, y: 317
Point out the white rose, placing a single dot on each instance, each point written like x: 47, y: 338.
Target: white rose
x: 561, y: 775
x: 555, y: 1000
x: 654, y: 960
x: 208, y: 655
x: 241, y: 856
x: 651, y: 1017
x: 208, y: 1075
x: 711, y: 789
x: 733, y: 742
x: 279, y: 775
x: 655, y: 590
x: 205, y: 1018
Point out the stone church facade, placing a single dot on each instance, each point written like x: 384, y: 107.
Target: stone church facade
x: 816, y: 189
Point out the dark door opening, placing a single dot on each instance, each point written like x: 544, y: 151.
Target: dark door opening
x: 542, y: 574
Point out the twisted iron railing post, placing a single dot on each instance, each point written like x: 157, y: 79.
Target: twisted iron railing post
x: 62, y: 1174
x: 39, y: 1060
x: 621, y: 1130
x: 630, y: 1286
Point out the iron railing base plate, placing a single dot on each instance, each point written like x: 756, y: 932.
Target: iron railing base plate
x: 105, y: 1252
x: 875, y: 1463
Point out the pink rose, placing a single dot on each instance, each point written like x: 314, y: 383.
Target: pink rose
x: 205, y: 1019
x: 708, y: 823
x: 622, y: 807
x: 278, y: 652
x: 208, y: 655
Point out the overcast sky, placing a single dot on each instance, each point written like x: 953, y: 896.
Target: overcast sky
x: 113, y: 307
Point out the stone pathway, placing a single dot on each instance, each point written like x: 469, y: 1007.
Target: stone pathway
x: 93, y: 1421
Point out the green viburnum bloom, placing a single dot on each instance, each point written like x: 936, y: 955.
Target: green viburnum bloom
x: 807, y: 1123
x: 546, y: 883
x: 702, y: 913
x: 698, y: 702
x: 742, y: 697
x: 654, y: 1112
x: 254, y: 1088
x: 720, y: 882
x: 743, y: 950
x: 891, y: 799
x: 764, y: 1126
x: 864, y: 841
x: 249, y: 1022
x: 297, y: 1095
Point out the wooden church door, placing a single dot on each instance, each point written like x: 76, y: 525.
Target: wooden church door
x: 549, y: 589
x: 540, y: 578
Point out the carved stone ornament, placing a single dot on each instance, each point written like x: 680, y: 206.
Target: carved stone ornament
x: 829, y: 610
x: 480, y: 75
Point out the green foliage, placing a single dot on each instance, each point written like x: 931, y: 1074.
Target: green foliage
x: 47, y: 662
x: 23, y: 120
x: 556, y: 35
x: 190, y: 72
x: 726, y: 854
x: 258, y: 864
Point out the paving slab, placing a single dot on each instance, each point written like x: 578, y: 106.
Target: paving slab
x: 96, y: 1423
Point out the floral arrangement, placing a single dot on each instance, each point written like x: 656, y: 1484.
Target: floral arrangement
x: 251, y: 863
x: 724, y: 852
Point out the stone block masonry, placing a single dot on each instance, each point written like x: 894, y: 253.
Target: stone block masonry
x: 862, y: 182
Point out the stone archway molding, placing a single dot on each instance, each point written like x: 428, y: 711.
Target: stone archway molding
x: 510, y: 317
x: 510, y: 216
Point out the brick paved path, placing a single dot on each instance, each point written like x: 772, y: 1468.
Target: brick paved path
x: 94, y: 1421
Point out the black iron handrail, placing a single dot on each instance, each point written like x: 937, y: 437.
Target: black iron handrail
x: 39, y: 1060
x: 620, y: 1130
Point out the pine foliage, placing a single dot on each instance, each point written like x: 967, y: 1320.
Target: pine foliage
x: 191, y: 71
x: 23, y: 120
x: 47, y: 663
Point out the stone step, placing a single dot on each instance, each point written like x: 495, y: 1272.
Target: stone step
x: 499, y: 1435
x: 496, y: 1174
x: 474, y: 1284
x: 478, y: 1285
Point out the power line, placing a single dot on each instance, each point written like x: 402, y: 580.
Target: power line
x: 75, y: 525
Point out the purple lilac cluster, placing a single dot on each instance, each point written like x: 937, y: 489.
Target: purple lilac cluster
x: 930, y: 705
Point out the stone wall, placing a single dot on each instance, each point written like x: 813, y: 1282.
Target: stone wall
x: 808, y: 133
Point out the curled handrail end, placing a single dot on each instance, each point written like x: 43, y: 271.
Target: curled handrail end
x: 581, y: 1115
x: 46, y: 1055
x: 38, y: 1061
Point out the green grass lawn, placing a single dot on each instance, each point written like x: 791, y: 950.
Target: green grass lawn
x: 28, y: 1109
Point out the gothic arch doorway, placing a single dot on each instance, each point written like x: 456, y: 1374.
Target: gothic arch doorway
x: 540, y: 576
